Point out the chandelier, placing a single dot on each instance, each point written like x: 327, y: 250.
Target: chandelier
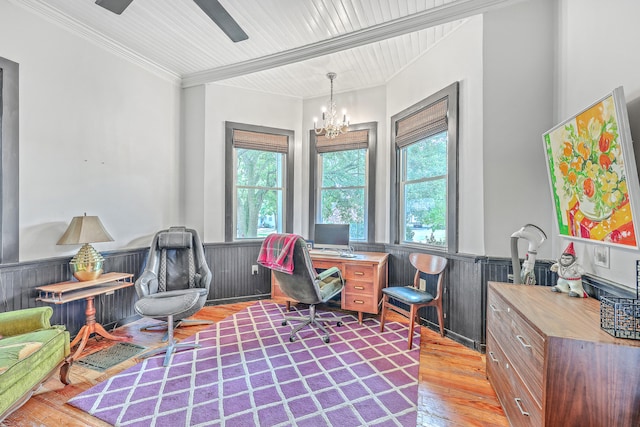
x: 332, y: 126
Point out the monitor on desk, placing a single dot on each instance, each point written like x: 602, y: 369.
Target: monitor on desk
x: 331, y: 236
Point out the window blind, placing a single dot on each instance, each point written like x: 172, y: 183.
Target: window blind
x: 260, y: 141
x: 422, y: 124
x: 346, y: 141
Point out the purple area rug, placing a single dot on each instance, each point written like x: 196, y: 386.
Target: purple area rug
x: 247, y: 373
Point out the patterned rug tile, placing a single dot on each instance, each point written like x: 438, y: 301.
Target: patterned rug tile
x: 247, y: 373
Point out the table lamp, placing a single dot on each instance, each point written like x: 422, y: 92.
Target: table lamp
x: 87, y: 264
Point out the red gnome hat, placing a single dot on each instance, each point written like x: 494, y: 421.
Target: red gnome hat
x: 569, y: 250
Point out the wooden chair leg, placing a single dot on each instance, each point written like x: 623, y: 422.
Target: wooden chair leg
x: 385, y: 301
x: 440, y: 319
x: 412, y: 320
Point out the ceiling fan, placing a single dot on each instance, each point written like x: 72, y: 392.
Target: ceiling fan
x: 212, y: 8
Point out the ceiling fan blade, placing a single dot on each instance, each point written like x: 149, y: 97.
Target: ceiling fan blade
x: 221, y: 17
x: 115, y: 6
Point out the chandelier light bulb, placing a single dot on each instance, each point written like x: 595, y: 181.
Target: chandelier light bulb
x: 332, y: 125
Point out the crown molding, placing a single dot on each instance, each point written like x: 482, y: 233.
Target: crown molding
x: 439, y: 15
x: 54, y: 16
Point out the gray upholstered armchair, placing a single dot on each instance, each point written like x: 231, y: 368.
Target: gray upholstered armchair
x: 303, y: 283
x: 175, y: 282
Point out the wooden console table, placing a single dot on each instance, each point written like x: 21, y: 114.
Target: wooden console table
x: 365, y: 276
x: 64, y: 292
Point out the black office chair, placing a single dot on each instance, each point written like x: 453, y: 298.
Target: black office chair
x: 302, y: 283
x: 175, y: 282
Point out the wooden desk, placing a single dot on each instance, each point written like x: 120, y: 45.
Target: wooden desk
x: 64, y: 292
x: 364, y: 276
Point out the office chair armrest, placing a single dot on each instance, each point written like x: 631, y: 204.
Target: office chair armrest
x: 146, y: 284
x: 330, y: 272
x: 203, y: 278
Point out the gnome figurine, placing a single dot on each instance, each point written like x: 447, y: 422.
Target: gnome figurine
x: 569, y: 274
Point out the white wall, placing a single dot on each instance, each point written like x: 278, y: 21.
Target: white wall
x: 518, y: 105
x: 224, y: 103
x: 193, y: 144
x: 97, y: 135
x: 456, y: 58
x: 597, y: 52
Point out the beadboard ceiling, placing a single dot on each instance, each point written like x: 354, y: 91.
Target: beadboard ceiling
x: 292, y: 43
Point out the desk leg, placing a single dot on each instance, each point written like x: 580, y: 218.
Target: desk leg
x: 360, y: 318
x: 90, y: 327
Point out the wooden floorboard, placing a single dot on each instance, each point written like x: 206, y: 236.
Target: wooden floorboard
x: 453, y: 389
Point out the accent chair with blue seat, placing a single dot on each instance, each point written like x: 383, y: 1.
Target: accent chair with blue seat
x: 288, y: 257
x: 175, y: 282
x: 413, y: 296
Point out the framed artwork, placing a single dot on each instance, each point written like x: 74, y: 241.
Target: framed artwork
x: 592, y: 174
x: 601, y: 256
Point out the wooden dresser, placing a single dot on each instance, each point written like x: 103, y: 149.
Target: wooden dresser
x: 551, y: 364
x: 365, y: 276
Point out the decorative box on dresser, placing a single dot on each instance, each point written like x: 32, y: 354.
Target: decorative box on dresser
x: 365, y: 275
x: 551, y: 364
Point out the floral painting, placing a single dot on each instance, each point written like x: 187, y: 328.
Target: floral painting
x: 593, y: 175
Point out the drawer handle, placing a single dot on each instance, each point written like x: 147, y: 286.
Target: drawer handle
x: 493, y: 308
x: 358, y: 273
x: 358, y: 301
x: 360, y: 288
x: 521, y: 339
x: 522, y: 411
x: 493, y: 358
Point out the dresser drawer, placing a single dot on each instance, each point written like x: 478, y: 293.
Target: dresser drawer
x: 358, y: 272
x: 519, y: 405
x: 521, y: 343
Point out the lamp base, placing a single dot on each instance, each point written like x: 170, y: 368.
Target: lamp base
x: 87, y: 264
x: 84, y: 275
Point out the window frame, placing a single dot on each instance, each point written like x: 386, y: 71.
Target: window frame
x: 451, y: 93
x: 230, y: 178
x: 9, y: 165
x: 370, y: 191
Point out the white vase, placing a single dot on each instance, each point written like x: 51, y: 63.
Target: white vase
x: 588, y: 208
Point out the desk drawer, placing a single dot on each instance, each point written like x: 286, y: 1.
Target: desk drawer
x: 358, y: 272
x: 358, y: 287
x: 356, y: 300
x: 325, y: 265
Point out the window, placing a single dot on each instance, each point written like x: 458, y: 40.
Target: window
x: 424, y: 172
x: 342, y: 176
x: 259, y: 181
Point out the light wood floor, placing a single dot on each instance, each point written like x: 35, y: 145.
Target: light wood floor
x: 453, y: 389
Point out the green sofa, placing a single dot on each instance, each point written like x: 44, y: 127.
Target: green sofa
x: 31, y: 350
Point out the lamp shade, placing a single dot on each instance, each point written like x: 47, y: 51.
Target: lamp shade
x: 85, y: 229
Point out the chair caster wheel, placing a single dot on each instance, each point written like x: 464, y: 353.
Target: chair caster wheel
x: 326, y: 339
x: 339, y: 324
x: 284, y: 323
x: 291, y: 339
